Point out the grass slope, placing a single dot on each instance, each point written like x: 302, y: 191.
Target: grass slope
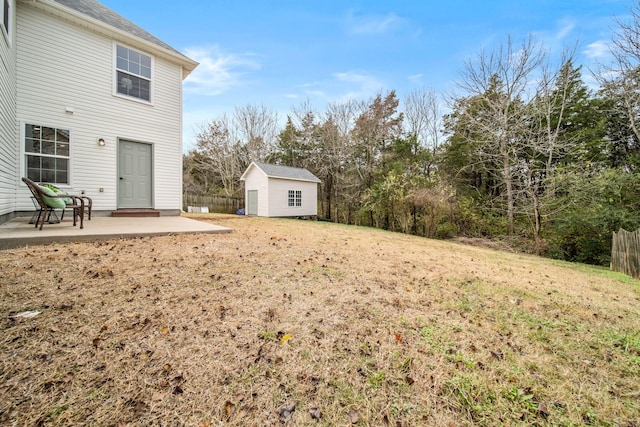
x: 309, y: 323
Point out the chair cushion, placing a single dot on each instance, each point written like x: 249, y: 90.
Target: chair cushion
x: 49, y: 197
x: 68, y: 200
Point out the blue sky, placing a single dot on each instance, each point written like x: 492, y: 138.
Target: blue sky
x: 282, y: 53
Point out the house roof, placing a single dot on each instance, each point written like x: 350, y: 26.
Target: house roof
x: 92, y: 12
x: 102, y: 13
x: 282, y: 172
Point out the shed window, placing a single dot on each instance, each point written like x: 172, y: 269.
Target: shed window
x: 46, y: 152
x: 133, y: 73
x: 295, y: 198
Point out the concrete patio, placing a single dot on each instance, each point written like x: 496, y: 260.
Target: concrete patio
x: 18, y: 232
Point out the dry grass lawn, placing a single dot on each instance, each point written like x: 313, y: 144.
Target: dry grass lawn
x: 312, y: 324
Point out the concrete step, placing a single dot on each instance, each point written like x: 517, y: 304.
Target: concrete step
x: 135, y: 213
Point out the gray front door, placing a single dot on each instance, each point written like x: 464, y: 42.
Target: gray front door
x: 252, y: 202
x: 135, y: 175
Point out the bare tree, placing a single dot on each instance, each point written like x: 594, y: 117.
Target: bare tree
x: 423, y: 119
x: 257, y: 127
x: 220, y: 154
x: 559, y: 94
x: 620, y: 80
x: 500, y: 84
x: 338, y: 189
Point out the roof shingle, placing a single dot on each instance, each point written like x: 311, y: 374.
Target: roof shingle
x: 97, y: 10
x: 288, y: 172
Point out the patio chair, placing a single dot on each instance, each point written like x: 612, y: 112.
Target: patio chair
x: 48, y: 200
x: 88, y: 203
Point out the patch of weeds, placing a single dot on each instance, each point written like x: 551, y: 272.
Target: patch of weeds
x: 466, y: 283
x: 376, y: 379
x: 524, y: 399
x: 627, y: 345
x: 460, y: 360
x: 268, y: 336
x: 405, y: 364
x: 626, y: 342
x: 344, y: 393
x: 464, y: 304
x: 366, y: 349
x: 433, y: 337
x: 428, y: 334
x: 470, y: 397
x: 95, y: 394
x: 456, y: 328
x: 403, y: 408
x: 404, y: 322
x: 602, y: 272
x: 589, y: 416
x: 55, y: 413
x: 635, y: 360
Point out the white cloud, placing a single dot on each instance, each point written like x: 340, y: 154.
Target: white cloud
x: 597, y: 49
x: 373, y: 24
x: 361, y: 86
x: 416, y: 78
x: 342, y: 87
x: 218, y: 71
x: 566, y: 27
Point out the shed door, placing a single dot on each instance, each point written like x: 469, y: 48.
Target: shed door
x: 252, y: 202
x: 134, y: 175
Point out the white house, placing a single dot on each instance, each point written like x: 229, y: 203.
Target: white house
x: 279, y: 191
x: 89, y: 102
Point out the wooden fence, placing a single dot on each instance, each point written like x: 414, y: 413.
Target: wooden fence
x: 625, y: 252
x: 216, y: 204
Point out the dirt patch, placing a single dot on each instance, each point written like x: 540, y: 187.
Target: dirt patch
x: 308, y: 323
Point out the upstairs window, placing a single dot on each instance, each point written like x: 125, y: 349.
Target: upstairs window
x: 133, y: 73
x: 46, y: 151
x: 295, y: 198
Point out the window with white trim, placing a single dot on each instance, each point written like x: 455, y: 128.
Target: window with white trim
x: 295, y: 198
x: 46, y: 152
x: 133, y: 73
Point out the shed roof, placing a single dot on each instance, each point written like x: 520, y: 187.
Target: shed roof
x: 96, y: 11
x: 283, y: 172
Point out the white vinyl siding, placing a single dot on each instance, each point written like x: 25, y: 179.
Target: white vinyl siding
x: 80, y: 98
x: 9, y: 146
x: 279, y: 194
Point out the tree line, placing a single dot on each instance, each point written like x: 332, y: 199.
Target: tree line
x: 526, y: 152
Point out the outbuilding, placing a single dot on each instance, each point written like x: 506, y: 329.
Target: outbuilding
x: 279, y: 191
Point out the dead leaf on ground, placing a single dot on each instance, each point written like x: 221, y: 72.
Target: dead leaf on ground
x: 285, y: 412
x: 285, y: 338
x: 354, y: 416
x: 315, y: 413
x: 229, y: 408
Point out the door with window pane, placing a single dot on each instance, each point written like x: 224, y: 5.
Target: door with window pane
x: 135, y: 175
